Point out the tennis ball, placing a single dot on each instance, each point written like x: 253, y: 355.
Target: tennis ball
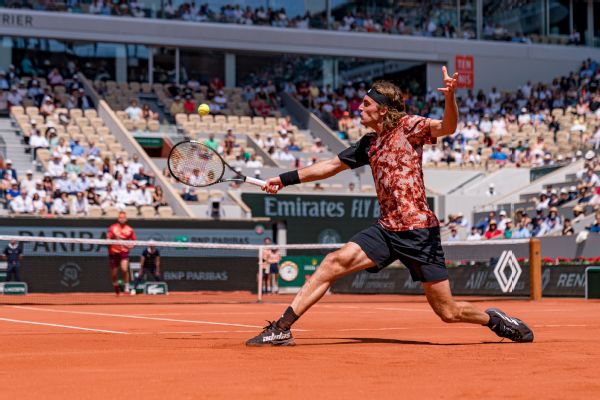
x: 203, y: 109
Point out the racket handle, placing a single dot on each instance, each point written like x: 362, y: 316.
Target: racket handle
x: 254, y: 181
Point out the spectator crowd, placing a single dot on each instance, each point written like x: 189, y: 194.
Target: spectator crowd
x: 426, y: 18
x: 487, y: 120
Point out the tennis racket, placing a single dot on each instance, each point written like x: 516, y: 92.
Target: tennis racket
x: 195, y: 164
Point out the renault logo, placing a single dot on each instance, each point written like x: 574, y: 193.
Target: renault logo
x: 507, y: 282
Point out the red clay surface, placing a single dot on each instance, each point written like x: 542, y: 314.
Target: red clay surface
x: 348, y: 347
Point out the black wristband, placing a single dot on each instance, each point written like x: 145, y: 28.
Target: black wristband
x: 290, y: 178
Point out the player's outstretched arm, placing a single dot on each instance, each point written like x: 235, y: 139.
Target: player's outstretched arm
x: 320, y: 170
x: 447, y: 125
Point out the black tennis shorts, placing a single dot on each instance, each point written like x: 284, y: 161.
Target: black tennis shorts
x: 420, y: 250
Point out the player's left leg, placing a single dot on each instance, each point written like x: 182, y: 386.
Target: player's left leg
x: 125, y: 271
x: 443, y: 304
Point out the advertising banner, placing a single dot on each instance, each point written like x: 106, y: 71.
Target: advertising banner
x: 318, y: 218
x: 559, y: 280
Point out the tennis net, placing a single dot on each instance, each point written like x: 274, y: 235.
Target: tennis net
x: 77, y: 271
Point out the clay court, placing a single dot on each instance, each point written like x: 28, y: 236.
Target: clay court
x: 351, y: 347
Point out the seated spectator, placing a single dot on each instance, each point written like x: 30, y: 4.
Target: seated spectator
x: 134, y: 112
x: 47, y: 108
x: 80, y: 205
x: 189, y: 106
x: 492, y: 231
x: 229, y: 142
x: 93, y: 197
x: 56, y: 167
x: 253, y: 162
x: 498, y: 156
x: 454, y: 236
x: 38, y: 205
x: 8, y: 168
x: 109, y: 198
x: 144, y: 196
x: 21, y: 204
x: 100, y: 183
x: 595, y: 227
x: 95, y: 7
x: 474, y: 234
x: 158, y: 197
x: 28, y: 184
x: 212, y: 142
x: 135, y: 164
x: 148, y: 114
x: 293, y: 146
x: 189, y: 194
x: 176, y: 106
x: 286, y: 125
x: 55, y: 78
x: 14, y: 98
x: 36, y: 142
x: 61, y: 205
x: 129, y: 197
x: 284, y: 156
x: 142, y: 178
x: 77, y: 149
x: 521, y: 232
x: 90, y: 168
x: 318, y: 147
x: 283, y: 140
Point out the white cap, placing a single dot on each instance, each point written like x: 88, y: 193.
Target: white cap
x: 589, y: 155
x: 8, y: 161
x: 579, y: 153
x: 257, y: 172
x: 502, y: 212
x: 492, y: 185
x: 29, y: 172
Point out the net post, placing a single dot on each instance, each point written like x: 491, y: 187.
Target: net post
x: 535, y: 269
x: 260, y: 273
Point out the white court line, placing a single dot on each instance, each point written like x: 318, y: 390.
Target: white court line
x: 139, y: 317
x: 62, y: 326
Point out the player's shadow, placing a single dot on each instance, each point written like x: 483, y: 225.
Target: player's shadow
x: 355, y: 341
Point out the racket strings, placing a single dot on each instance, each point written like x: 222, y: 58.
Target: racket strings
x: 195, y: 165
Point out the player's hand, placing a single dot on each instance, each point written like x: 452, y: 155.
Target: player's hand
x: 273, y: 185
x: 450, y: 83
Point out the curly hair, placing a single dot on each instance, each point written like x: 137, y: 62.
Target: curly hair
x: 398, y: 108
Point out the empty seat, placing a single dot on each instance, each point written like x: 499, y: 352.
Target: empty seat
x: 147, y: 212
x: 95, y: 212
x: 165, y: 211
x: 131, y: 211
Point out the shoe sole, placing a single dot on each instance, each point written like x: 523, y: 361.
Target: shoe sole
x: 289, y: 342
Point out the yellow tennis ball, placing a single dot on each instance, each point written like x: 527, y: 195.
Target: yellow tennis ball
x: 203, y: 109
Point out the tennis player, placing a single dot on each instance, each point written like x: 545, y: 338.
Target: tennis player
x: 407, y: 229
x: 118, y: 256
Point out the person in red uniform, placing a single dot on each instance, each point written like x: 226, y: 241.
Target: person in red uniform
x: 118, y: 256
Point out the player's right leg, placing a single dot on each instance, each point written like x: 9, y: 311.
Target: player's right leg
x: 350, y: 258
x: 113, y: 263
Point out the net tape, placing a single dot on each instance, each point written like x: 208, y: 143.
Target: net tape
x: 255, y: 247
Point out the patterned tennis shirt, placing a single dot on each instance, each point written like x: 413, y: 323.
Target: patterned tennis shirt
x: 395, y: 158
